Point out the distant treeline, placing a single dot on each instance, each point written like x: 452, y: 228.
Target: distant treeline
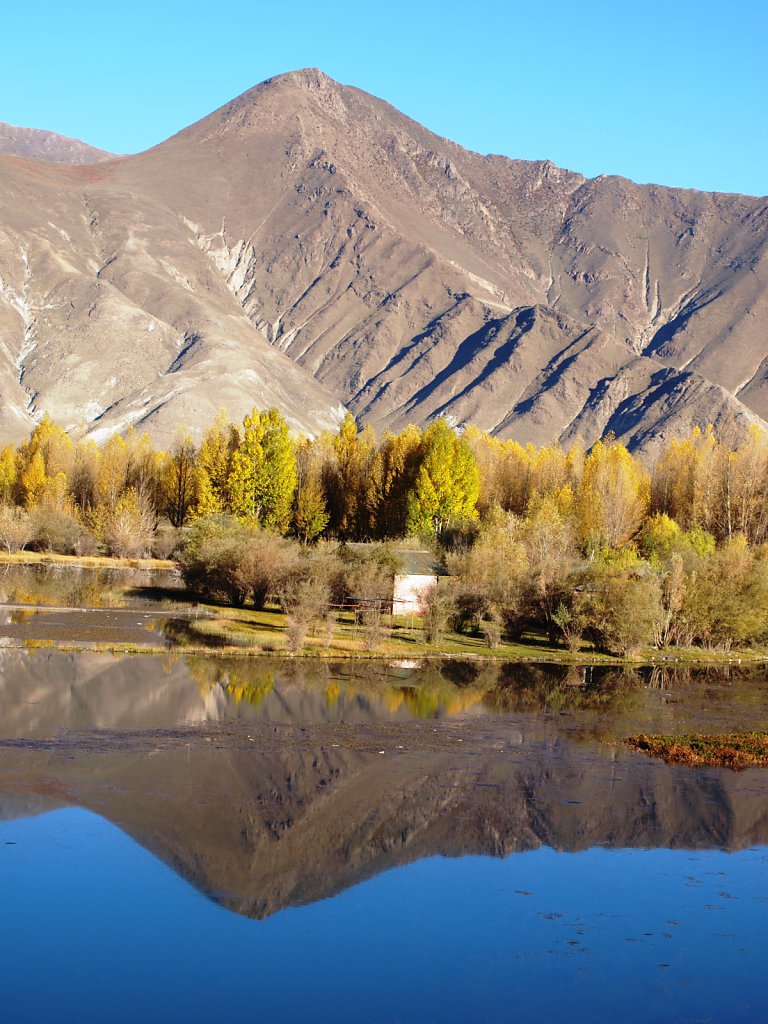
x: 581, y: 544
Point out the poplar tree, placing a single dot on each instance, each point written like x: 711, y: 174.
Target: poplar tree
x: 447, y: 482
x: 8, y: 473
x: 112, y: 475
x: 349, y: 484
x: 613, y: 498
x: 262, y: 481
x: 33, y: 480
x: 179, y: 480
x: 394, y: 475
x: 55, y: 446
x: 310, y: 516
x: 276, y: 479
x: 247, y: 461
x: 214, y: 465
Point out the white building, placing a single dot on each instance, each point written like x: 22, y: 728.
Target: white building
x: 419, y: 572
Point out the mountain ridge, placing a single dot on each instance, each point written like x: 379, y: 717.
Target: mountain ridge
x: 47, y: 146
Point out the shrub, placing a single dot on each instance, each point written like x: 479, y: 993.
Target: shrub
x: 305, y: 597
x: 621, y: 607
x: 436, y: 607
x: 130, y: 527
x: 226, y: 559
x: 16, y: 529
x: 60, y: 531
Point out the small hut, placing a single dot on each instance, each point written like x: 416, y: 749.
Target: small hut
x: 419, y: 571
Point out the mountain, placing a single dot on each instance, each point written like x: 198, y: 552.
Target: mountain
x: 47, y: 146
x: 309, y: 246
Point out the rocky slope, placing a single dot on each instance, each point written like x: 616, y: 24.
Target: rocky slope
x: 307, y: 245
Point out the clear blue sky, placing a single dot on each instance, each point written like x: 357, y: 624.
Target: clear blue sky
x: 671, y: 92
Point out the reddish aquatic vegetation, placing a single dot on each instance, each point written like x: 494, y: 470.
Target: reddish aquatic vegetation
x: 736, y: 750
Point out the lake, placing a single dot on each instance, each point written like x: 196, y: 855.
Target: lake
x: 197, y: 839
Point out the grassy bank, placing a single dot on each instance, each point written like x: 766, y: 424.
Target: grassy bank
x: 737, y: 750
x: 220, y: 629
x: 249, y: 631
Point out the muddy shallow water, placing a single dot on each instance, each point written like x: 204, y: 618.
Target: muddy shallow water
x: 451, y: 842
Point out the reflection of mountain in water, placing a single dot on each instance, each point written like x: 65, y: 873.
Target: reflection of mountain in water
x: 268, y: 785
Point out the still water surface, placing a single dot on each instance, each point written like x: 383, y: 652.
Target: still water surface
x: 193, y: 839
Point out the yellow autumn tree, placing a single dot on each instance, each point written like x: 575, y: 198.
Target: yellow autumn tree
x: 112, y: 475
x: 32, y: 481
x: 214, y: 465
x: 613, y: 497
x: 394, y: 474
x: 310, y: 516
x: 349, y: 481
x: 8, y: 473
x: 55, y: 446
x: 447, y: 482
x: 262, y: 480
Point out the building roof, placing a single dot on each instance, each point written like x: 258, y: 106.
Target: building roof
x: 420, y: 563
x: 413, y: 562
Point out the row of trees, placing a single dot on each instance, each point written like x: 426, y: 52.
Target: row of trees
x: 670, y: 587
x: 73, y: 495
x: 580, y: 544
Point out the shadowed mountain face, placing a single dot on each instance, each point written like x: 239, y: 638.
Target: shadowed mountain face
x: 307, y: 246
x: 270, y: 786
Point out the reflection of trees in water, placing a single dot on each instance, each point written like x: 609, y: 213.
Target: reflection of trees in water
x: 709, y: 681
x: 558, y: 687
x: 246, y: 682
x: 452, y: 687
x: 76, y: 586
x: 436, y: 688
x: 49, y: 585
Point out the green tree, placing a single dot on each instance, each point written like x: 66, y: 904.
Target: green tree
x: 262, y: 481
x: 276, y: 479
x: 447, y: 482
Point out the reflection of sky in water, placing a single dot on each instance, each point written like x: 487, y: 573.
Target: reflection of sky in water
x: 94, y: 929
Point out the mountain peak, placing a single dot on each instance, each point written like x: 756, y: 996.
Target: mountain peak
x: 308, y: 78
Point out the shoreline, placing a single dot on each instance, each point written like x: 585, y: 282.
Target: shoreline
x: 267, y: 628
x: 233, y: 651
